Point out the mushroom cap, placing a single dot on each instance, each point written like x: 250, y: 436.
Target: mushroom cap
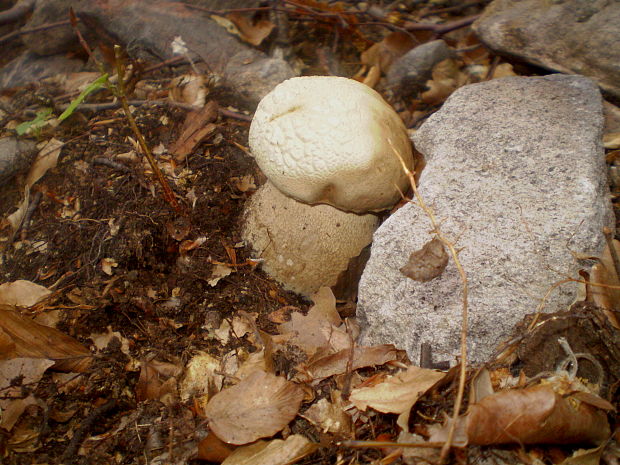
x: 304, y: 247
x: 324, y: 139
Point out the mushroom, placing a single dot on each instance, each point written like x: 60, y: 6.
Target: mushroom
x: 304, y: 247
x: 326, y: 145
x: 324, y: 139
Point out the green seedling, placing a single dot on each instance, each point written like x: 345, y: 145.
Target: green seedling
x: 43, y: 115
x: 36, y: 124
x: 93, y: 86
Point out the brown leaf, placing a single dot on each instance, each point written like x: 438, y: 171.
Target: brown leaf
x: 196, y: 127
x: 384, y: 53
x: 32, y: 340
x: 607, y: 298
x: 320, y: 328
x: 535, y: 415
x: 158, y: 381
x: 259, y: 406
x: 329, y: 416
x: 427, y: 263
x: 22, y: 293
x: 251, y: 32
x: 324, y: 366
x: 276, y: 452
x: 213, y: 449
x: 398, y: 393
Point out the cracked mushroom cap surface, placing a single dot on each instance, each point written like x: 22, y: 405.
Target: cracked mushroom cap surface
x: 304, y: 247
x: 324, y: 139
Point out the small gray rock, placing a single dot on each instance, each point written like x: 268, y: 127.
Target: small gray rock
x: 253, y: 75
x: 30, y: 67
x: 516, y: 173
x: 570, y: 36
x: 15, y: 157
x: 408, y: 75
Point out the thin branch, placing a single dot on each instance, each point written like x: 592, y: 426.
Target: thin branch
x: 454, y: 253
x: 18, y: 11
x: 168, y: 193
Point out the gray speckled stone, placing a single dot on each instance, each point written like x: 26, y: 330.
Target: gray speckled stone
x: 15, y: 157
x: 570, y: 36
x: 410, y: 72
x: 516, y: 172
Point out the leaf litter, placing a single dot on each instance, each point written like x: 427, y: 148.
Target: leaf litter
x: 204, y: 356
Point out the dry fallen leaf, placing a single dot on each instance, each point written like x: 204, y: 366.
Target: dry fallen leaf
x: 198, y: 125
x: 219, y: 272
x: 189, y: 88
x: 213, y: 449
x: 384, y: 53
x: 427, y: 263
x: 259, y: 406
x: 446, y: 79
x: 23, y: 337
x: 46, y: 160
x: 22, y: 293
x: 320, y: 328
x: 201, y: 378
x: 398, y: 393
x: 330, y: 417
x: 15, y: 375
x: 249, y: 31
x: 607, y: 298
x: 534, y: 415
x: 323, y: 366
x: 158, y: 381
x: 276, y: 452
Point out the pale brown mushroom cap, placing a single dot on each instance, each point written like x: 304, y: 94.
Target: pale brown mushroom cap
x: 304, y: 247
x: 324, y: 139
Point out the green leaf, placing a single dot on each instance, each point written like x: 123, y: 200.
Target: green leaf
x: 36, y: 123
x: 93, y: 86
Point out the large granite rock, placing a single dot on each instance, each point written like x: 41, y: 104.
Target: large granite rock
x: 570, y: 36
x: 516, y: 172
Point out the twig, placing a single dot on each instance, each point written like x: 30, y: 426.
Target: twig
x: 453, y: 252
x: 111, y: 164
x: 42, y: 27
x: 28, y: 215
x: 87, y: 424
x: 160, y: 103
x: 18, y: 11
x: 449, y: 9
x: 168, y: 193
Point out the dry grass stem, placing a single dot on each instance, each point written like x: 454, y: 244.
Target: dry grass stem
x: 454, y: 253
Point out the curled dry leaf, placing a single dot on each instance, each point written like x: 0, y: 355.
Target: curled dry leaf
x: 605, y: 273
x: 320, y: 328
x: 23, y: 337
x: 16, y: 375
x: 22, y: 293
x: 189, y: 88
x: 276, y: 452
x: 329, y: 417
x: 398, y: 393
x: 259, y: 406
x: 249, y: 31
x: 384, y: 53
x: 446, y: 79
x: 323, y: 366
x: 427, y: 263
x: 46, y: 160
x: 535, y: 415
x: 198, y: 125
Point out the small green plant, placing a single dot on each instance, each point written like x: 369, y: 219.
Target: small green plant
x: 93, y: 86
x: 35, y: 124
x: 40, y: 120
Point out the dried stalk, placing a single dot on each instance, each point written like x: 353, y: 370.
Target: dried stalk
x: 454, y: 253
x: 168, y: 193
